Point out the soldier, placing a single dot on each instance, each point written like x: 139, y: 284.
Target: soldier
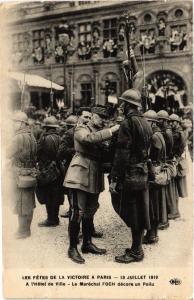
x: 129, y: 166
x: 84, y: 177
x: 178, y: 150
x: 157, y: 156
x: 50, y: 182
x: 166, y: 201
x: 22, y: 152
x: 66, y: 150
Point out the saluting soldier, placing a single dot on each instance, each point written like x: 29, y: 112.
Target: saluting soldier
x: 22, y: 152
x: 132, y: 154
x: 85, y: 178
x: 156, y: 194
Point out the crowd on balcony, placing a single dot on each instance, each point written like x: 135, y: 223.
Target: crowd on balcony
x: 44, y: 45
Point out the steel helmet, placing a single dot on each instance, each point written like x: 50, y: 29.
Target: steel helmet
x: 132, y: 96
x: 162, y: 114
x: 20, y: 116
x: 174, y: 117
x: 71, y: 120
x: 151, y: 115
x: 50, y: 122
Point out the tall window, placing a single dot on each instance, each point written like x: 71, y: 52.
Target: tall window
x: 110, y: 29
x: 86, y: 93
x: 85, y: 32
x: 110, y: 38
x: 84, y: 46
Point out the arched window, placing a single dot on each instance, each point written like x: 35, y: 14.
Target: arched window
x: 167, y: 90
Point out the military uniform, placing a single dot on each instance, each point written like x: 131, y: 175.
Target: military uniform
x: 157, y: 195
x: 51, y: 194
x: 85, y: 179
x: 133, y: 208
x: 178, y: 150
x: 22, y: 153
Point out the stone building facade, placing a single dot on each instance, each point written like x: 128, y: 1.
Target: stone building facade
x: 83, y: 42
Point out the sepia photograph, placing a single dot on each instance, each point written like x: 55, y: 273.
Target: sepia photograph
x: 97, y: 149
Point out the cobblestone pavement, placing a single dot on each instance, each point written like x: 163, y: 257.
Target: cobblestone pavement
x: 47, y: 247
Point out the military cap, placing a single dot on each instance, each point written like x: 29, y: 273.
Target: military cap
x: 162, y: 114
x: 100, y: 110
x: 20, y: 116
x: 132, y: 96
x: 151, y: 115
x: 50, y: 122
x: 174, y: 117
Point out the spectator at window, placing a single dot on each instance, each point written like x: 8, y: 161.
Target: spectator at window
x: 175, y: 40
x: 109, y: 48
x: 121, y: 33
x: 48, y: 46
x: 161, y: 27
x: 59, y: 54
x: 38, y: 54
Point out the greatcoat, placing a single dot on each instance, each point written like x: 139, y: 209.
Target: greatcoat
x: 132, y: 148
x: 22, y: 153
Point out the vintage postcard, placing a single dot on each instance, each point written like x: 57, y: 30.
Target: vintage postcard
x: 97, y: 149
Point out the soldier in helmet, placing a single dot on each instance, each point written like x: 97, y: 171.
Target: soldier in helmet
x: 66, y: 150
x: 85, y: 179
x: 22, y: 153
x: 178, y: 150
x: 50, y: 189
x: 157, y: 155
x: 165, y: 204
x: 132, y: 151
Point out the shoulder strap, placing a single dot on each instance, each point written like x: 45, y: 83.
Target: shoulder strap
x: 143, y: 135
x: 54, y: 142
x: 164, y: 145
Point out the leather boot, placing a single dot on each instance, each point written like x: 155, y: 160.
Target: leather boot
x: 151, y: 236
x: 135, y: 253
x: 163, y: 226
x: 96, y: 234
x: 88, y: 246
x: 73, y: 252
x: 23, y: 229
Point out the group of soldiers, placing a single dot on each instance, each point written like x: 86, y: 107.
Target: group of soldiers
x: 72, y: 161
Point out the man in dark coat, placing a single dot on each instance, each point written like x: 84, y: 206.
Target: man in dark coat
x: 86, y: 181
x: 66, y: 150
x: 22, y: 153
x: 50, y: 184
x: 132, y: 150
x: 156, y: 194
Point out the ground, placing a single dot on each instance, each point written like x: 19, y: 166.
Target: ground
x: 47, y: 247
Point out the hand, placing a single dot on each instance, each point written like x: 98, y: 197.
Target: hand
x: 112, y: 188
x: 115, y: 128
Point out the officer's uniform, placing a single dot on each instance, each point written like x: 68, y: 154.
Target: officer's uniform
x: 85, y: 179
